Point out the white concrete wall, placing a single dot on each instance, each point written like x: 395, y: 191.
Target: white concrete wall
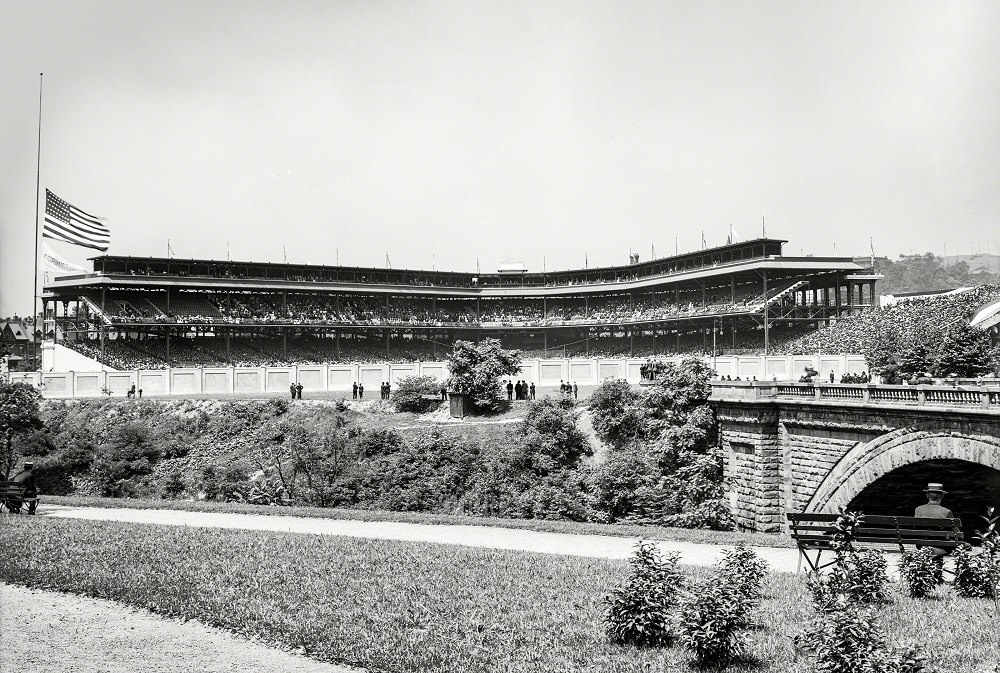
x: 182, y: 382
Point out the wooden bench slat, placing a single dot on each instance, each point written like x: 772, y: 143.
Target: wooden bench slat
x: 817, y: 532
x: 871, y: 519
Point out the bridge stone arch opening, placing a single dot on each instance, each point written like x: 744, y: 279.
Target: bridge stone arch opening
x: 794, y: 453
x: 971, y: 487
x: 888, y: 475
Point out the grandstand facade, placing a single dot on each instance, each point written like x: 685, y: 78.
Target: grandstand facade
x: 134, y: 312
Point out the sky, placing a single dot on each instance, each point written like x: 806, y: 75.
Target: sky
x: 439, y: 134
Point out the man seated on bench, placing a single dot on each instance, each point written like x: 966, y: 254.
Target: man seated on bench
x: 26, y: 478
x: 934, y: 510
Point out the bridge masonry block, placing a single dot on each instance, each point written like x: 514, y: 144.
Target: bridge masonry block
x: 753, y: 469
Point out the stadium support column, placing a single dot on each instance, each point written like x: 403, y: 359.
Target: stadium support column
x: 104, y: 327
x: 229, y: 359
x: 387, y: 343
x: 837, y: 290
x: 284, y: 342
x: 732, y: 288
x: 767, y: 335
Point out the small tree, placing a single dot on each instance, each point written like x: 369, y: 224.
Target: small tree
x: 410, y: 391
x: 476, y: 370
x: 965, y: 351
x: 914, y: 360
x: 617, y: 413
x: 19, y: 415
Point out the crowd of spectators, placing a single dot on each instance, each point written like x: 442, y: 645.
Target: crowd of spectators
x: 318, y: 309
x: 152, y: 353
x: 916, y: 321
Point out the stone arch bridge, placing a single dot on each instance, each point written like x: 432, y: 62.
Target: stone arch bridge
x: 872, y: 448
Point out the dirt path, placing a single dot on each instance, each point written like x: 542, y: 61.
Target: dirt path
x: 596, y: 546
x: 49, y: 632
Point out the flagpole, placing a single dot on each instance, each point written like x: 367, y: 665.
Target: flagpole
x: 38, y: 183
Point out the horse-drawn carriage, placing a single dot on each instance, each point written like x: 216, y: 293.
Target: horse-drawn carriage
x: 13, y: 498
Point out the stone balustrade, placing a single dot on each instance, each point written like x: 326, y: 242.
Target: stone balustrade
x: 948, y: 394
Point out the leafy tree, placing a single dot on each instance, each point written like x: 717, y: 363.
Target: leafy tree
x: 409, y: 392
x: 915, y: 359
x: 476, y: 370
x: 617, y: 416
x: 965, y: 351
x: 670, y: 472
x: 534, y: 472
x: 19, y: 416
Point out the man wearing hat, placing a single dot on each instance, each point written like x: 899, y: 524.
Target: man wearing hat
x: 933, y: 510
x: 26, y: 478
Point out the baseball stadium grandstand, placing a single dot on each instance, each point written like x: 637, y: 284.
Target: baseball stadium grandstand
x: 134, y: 312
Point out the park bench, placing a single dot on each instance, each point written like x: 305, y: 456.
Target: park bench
x: 12, y: 496
x: 816, y: 533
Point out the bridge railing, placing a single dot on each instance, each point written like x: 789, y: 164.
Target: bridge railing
x: 871, y: 393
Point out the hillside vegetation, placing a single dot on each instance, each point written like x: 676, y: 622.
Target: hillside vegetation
x: 535, y: 462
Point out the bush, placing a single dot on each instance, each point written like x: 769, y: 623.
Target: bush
x: 921, y: 571
x: 712, y: 616
x: 976, y: 575
x: 858, y: 576
x: 173, y: 485
x: 744, y: 570
x: 846, y: 638
x: 616, y: 481
x: 616, y: 413
x: 639, y: 611
x: 409, y: 392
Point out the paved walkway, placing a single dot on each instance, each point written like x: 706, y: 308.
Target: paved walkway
x: 487, y: 537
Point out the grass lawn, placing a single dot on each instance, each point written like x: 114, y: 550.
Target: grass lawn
x: 616, y: 530
x: 398, y: 606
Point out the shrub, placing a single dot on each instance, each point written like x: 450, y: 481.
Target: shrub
x: 744, y: 570
x: 616, y: 481
x: 639, y: 611
x: 858, y: 576
x: 846, y: 638
x: 616, y: 413
x: 921, y: 571
x: 976, y: 575
x: 173, y: 484
x: 409, y: 392
x: 712, y: 616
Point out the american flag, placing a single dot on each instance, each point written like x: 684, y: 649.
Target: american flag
x: 66, y: 222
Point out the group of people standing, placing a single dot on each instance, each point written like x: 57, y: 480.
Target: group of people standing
x: 358, y: 391
x: 522, y: 390
x: 386, y: 390
x: 296, y: 390
x: 567, y: 388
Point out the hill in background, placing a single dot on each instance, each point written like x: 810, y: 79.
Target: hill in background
x: 927, y: 272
